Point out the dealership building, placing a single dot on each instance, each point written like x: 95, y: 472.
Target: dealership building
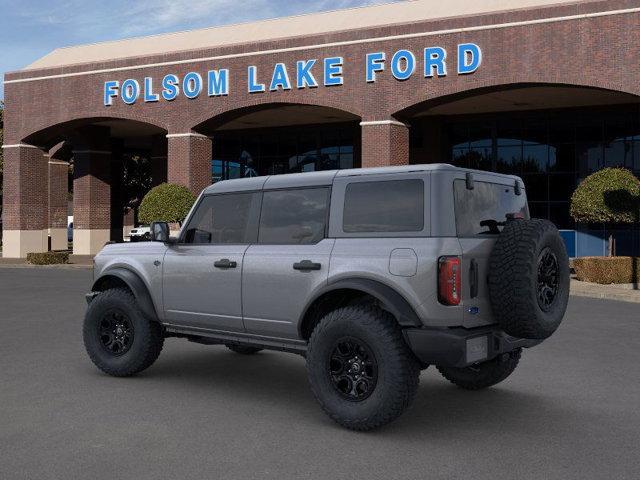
x: 544, y: 89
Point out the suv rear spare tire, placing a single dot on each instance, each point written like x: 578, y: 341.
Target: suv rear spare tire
x: 529, y: 278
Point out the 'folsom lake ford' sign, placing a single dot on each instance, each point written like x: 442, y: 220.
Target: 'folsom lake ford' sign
x: 215, y: 83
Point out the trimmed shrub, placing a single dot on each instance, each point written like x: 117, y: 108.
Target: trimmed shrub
x: 166, y: 203
x: 48, y: 258
x: 611, y: 195
x: 606, y: 270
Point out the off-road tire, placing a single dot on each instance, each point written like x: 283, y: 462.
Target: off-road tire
x: 398, y: 370
x: 514, y: 278
x: 244, y: 349
x: 147, y: 340
x: 483, y: 375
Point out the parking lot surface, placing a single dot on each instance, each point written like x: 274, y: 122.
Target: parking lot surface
x: 570, y: 411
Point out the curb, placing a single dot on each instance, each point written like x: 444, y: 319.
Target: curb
x: 604, y: 292
x: 63, y: 266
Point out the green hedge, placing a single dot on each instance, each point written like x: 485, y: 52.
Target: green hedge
x: 607, y: 270
x: 167, y: 203
x: 611, y: 195
x: 48, y: 258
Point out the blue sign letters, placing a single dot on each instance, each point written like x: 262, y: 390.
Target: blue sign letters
x: 432, y: 62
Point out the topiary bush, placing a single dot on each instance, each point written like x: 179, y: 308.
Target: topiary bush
x: 611, y: 195
x: 607, y: 270
x: 48, y: 258
x: 166, y: 203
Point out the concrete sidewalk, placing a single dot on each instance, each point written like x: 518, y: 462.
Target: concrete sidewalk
x: 623, y: 292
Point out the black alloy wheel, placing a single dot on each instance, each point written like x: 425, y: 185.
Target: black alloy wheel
x: 116, y: 333
x: 547, y: 279
x: 353, y: 369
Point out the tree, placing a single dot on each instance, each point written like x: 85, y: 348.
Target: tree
x: 611, y: 195
x: 136, y: 180
x: 166, y: 202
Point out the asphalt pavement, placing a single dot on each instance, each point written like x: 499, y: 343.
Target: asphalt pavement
x: 570, y: 411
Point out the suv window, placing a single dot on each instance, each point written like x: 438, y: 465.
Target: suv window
x: 297, y: 216
x: 384, y: 206
x: 483, y: 210
x: 228, y: 218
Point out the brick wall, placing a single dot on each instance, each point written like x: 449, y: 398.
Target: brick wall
x: 189, y: 161
x: 25, y: 189
x: 600, y: 52
x: 385, y: 144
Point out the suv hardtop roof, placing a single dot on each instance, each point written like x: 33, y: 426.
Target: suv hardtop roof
x: 323, y: 178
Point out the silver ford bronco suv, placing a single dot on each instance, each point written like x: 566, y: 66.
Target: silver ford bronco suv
x: 370, y: 274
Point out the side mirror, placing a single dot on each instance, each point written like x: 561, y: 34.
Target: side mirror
x: 159, y: 232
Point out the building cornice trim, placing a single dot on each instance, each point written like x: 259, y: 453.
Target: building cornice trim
x: 189, y: 134
x: 20, y: 145
x: 477, y: 28
x: 383, y: 122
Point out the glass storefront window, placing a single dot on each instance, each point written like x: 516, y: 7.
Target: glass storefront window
x: 589, y: 157
x: 509, y: 159
x: 551, y: 150
x: 535, y: 158
x: 249, y: 153
x: 618, y: 154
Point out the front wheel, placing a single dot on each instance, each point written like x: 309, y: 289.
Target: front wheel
x: 119, y: 339
x: 360, y: 369
x: 483, y: 375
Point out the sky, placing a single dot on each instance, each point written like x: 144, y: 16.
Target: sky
x: 29, y: 29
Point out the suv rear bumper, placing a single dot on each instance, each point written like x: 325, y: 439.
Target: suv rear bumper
x: 461, y: 347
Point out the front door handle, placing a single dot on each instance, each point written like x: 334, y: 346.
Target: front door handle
x: 306, y: 265
x: 225, y: 263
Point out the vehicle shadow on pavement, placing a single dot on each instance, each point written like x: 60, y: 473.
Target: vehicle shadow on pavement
x: 500, y: 410
x: 281, y: 382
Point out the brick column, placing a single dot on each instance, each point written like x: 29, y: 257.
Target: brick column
x: 384, y: 143
x: 117, y: 208
x: 91, y: 200
x: 92, y: 154
x: 158, y: 160
x: 189, y: 160
x: 58, y: 191
x: 25, y: 210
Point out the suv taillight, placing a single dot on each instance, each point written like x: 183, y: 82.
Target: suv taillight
x: 449, y: 280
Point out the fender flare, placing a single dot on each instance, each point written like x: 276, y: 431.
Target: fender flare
x: 135, y: 284
x: 391, y: 300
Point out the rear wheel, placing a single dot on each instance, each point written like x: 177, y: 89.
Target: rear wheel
x: 360, y: 369
x: 483, y: 375
x: 119, y: 339
x: 243, y: 349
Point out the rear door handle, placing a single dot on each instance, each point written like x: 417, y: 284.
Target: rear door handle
x: 225, y: 263
x: 305, y: 265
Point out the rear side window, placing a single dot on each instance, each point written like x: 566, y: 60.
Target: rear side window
x: 228, y: 218
x: 385, y: 206
x: 296, y: 217
x: 483, y: 210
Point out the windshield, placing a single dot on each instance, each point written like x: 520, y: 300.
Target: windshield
x: 484, y: 210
